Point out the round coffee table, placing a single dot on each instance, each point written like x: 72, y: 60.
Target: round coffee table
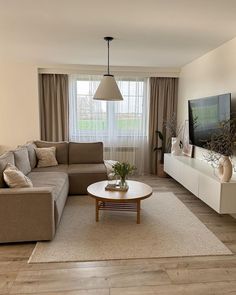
x: 117, y: 200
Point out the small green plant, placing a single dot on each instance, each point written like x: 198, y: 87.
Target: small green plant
x: 123, y: 170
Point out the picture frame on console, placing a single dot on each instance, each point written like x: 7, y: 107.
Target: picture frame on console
x: 188, y: 150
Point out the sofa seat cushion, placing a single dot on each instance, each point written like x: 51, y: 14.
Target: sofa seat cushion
x: 86, y: 168
x: 82, y: 175
x: 49, y: 179
x: 58, y: 168
x: 59, y: 182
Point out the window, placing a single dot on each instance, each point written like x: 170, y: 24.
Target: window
x: 121, y: 125
x: 109, y: 119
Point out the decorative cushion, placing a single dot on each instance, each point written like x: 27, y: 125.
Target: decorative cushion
x: 14, y: 178
x: 61, y: 149
x: 22, y: 160
x: 109, y: 165
x: 46, y: 157
x: 31, y: 152
x: 4, y: 160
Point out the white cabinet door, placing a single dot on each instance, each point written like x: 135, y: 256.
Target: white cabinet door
x: 173, y: 167
x: 209, y: 191
x: 228, y: 198
x: 190, y: 179
x: 199, y: 179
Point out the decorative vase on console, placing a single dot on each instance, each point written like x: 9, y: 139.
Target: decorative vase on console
x: 175, y: 146
x: 225, y: 169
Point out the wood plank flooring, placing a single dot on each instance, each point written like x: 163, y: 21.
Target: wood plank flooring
x: 164, y: 276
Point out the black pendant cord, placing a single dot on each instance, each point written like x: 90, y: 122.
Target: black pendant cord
x: 108, y: 39
x: 108, y: 57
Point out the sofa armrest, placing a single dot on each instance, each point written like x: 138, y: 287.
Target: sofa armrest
x: 26, y: 214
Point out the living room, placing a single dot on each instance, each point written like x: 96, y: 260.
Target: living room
x: 170, y: 228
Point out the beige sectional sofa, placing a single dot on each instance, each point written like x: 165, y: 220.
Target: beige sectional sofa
x: 33, y: 214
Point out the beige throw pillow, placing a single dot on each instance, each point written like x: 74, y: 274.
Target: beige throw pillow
x: 46, y: 157
x: 14, y: 178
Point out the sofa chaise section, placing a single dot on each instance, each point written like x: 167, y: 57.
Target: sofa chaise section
x: 59, y: 183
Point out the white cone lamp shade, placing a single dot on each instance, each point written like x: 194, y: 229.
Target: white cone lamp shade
x: 108, y: 89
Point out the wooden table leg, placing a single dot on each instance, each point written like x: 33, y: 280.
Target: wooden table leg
x: 138, y: 211
x: 97, y: 210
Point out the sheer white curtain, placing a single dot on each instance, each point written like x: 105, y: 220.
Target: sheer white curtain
x: 121, y: 126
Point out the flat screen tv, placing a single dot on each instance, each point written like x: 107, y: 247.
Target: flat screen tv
x: 205, y: 116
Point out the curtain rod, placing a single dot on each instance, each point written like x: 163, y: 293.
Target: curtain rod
x: 121, y: 71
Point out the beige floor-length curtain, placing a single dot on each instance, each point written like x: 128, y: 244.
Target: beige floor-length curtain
x: 54, y: 106
x: 163, y: 104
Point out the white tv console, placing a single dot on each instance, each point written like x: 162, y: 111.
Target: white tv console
x: 199, y: 178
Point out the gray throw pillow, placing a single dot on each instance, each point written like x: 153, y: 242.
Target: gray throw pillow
x: 46, y: 157
x: 22, y: 160
x: 14, y: 178
x: 6, y: 158
x: 31, y: 152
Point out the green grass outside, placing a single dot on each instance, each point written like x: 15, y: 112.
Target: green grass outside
x: 123, y: 124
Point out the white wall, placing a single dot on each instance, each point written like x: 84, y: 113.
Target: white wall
x: 213, y: 73
x: 19, y: 115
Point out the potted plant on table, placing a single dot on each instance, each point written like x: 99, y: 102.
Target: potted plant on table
x: 122, y: 170
x: 221, y: 148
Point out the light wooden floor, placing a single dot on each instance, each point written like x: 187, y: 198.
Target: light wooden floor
x: 190, y: 275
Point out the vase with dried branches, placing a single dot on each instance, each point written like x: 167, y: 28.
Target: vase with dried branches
x: 221, y: 148
x: 164, y: 140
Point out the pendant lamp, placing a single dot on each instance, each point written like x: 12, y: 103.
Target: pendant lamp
x: 108, y: 89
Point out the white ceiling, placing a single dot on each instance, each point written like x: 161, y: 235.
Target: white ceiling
x: 158, y: 33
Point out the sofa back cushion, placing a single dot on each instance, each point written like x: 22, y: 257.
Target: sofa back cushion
x: 31, y: 152
x: 85, y: 153
x: 61, y: 149
x: 4, y: 160
x: 22, y: 161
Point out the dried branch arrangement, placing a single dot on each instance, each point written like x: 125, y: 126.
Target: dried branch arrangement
x: 173, y: 128
x: 222, y: 143
x: 170, y: 129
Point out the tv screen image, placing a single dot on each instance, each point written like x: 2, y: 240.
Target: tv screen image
x: 205, y: 116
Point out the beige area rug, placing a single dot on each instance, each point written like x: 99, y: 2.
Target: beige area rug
x: 168, y: 229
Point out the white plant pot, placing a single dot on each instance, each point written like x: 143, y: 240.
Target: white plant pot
x: 175, y: 148
x: 225, y: 169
